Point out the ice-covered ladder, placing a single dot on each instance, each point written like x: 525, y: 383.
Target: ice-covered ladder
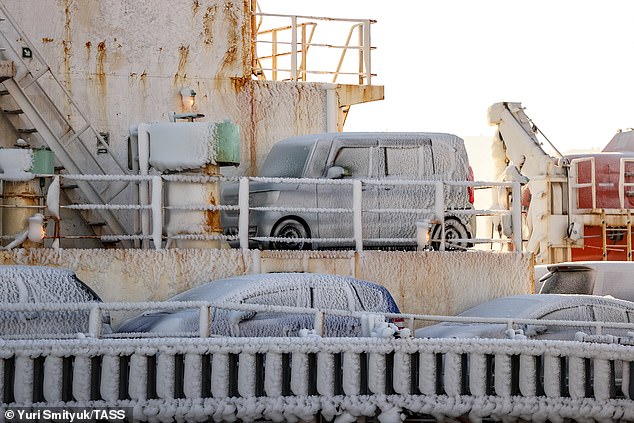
x: 30, y: 103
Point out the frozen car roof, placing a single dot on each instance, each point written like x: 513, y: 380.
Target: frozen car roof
x: 532, y: 306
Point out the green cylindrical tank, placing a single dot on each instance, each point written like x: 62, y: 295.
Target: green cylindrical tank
x: 227, y: 143
x: 43, y: 161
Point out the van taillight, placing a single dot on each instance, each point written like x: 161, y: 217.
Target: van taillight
x: 470, y: 189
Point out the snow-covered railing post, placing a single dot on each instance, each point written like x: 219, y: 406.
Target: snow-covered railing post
x: 357, y: 217
x: 204, y: 321
x: 95, y: 321
x: 351, y: 373
x: 157, y: 211
x: 243, y: 219
x: 439, y: 210
x: 109, y: 384
x: 516, y: 217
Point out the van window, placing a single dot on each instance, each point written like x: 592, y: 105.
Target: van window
x: 355, y: 159
x: 401, y: 162
x: 286, y: 160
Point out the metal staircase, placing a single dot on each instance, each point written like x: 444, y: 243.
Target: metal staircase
x: 40, y: 108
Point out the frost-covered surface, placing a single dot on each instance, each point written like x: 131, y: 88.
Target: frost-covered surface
x: 501, y: 404
x: 420, y: 282
x: 38, y: 284
x: 178, y: 146
x: 306, y: 290
x: 16, y: 164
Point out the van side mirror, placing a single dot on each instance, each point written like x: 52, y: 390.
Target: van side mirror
x: 336, y: 172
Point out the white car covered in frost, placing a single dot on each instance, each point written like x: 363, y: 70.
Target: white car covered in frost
x: 399, y: 170
x: 305, y: 290
x: 583, y: 308
x: 28, y: 286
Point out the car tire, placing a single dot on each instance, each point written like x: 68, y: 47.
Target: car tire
x: 454, y: 229
x: 290, y: 228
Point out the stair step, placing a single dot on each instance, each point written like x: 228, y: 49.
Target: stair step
x: 12, y: 112
x: 70, y: 186
x: 97, y: 224
x: 26, y: 130
x: 4, y: 92
x: 59, y: 168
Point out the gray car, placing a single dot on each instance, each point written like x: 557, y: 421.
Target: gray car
x: 306, y: 290
x: 384, y: 157
x: 588, y: 308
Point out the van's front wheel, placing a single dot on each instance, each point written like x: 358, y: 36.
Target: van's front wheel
x: 293, y: 230
x: 454, y: 230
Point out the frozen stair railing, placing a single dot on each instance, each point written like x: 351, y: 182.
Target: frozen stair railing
x: 76, y: 143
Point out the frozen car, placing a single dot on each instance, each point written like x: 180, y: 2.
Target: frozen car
x: 45, y: 285
x: 381, y: 157
x: 538, y: 306
x: 590, y: 277
x: 307, y: 290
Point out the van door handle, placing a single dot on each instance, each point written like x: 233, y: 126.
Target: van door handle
x: 387, y: 189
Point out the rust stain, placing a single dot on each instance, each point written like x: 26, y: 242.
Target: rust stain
x: 208, y: 23
x: 195, y: 7
x: 239, y: 83
x: 47, y: 40
x: 133, y: 74
x: 233, y: 36
x: 183, y: 53
x: 88, y: 45
x: 212, y: 217
x: 100, y: 69
x: 67, y: 44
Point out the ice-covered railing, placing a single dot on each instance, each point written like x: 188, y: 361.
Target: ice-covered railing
x: 297, y: 379
x: 154, y: 212
x: 204, y: 311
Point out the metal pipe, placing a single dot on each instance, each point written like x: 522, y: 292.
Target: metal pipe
x: 243, y: 219
x: 516, y: 216
x: 294, y: 48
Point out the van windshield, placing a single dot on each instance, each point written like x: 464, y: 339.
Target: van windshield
x: 286, y: 160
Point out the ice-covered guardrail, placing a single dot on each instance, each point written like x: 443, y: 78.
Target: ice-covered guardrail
x: 150, y: 218
x: 290, y: 379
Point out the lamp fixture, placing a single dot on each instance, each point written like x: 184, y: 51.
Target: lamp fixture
x: 188, y: 96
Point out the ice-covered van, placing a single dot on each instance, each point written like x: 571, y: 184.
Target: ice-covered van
x: 370, y: 156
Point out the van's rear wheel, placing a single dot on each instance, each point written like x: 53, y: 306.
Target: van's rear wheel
x: 291, y: 229
x: 454, y: 229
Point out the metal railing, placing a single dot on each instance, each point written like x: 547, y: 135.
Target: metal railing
x: 432, y: 209
x: 286, y: 48
x: 300, y: 378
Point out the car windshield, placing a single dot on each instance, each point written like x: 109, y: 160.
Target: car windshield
x: 286, y: 160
